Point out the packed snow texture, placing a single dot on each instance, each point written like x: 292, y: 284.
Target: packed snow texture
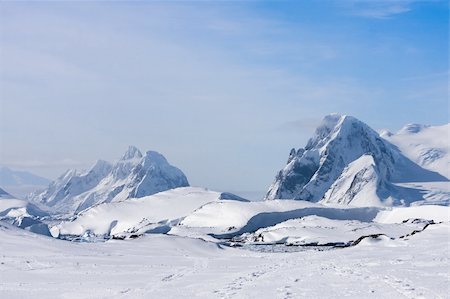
x: 133, y: 176
x: 347, y: 162
x: 161, y: 266
x: 320, y: 231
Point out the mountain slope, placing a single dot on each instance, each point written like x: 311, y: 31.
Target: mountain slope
x: 428, y: 146
x: 339, y: 141
x: 133, y: 176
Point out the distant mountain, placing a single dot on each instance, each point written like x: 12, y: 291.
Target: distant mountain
x: 428, y: 146
x: 16, y: 178
x: 20, y: 183
x: 133, y: 176
x: 348, y: 162
x: 4, y: 194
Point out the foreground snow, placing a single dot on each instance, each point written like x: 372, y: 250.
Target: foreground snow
x: 161, y: 266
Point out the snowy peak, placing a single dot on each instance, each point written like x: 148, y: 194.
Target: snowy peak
x: 131, y: 153
x: 134, y: 175
x: 329, y: 125
x: 324, y: 164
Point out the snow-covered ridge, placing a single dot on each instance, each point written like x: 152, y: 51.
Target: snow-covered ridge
x: 136, y: 216
x: 348, y: 162
x: 428, y: 146
x: 134, y: 175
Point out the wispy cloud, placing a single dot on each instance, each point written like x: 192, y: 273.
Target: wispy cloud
x: 379, y: 9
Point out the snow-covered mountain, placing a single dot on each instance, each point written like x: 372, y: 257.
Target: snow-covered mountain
x: 348, y: 162
x: 21, y: 183
x: 133, y: 176
x: 428, y: 146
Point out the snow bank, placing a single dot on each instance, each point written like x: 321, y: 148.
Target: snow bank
x: 156, y: 212
x: 229, y: 219
x: 314, y: 230
x: 429, y: 212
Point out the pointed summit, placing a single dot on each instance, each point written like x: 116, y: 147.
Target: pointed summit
x: 134, y: 175
x: 132, y: 153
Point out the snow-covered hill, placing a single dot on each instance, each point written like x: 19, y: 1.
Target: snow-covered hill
x: 133, y: 176
x: 428, y: 146
x: 155, y: 213
x: 348, y: 162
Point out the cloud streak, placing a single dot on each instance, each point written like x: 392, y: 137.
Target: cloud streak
x: 379, y: 9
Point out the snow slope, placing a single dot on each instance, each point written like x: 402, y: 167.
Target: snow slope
x: 135, y: 216
x: 225, y: 220
x: 315, y: 230
x: 160, y: 266
x: 133, y: 176
x: 428, y: 146
x: 348, y: 162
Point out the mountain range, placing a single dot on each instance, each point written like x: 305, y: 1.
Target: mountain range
x: 347, y: 162
x: 135, y: 175
x: 344, y: 162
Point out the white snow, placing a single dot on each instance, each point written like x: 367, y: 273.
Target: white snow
x: 357, y: 185
x: 428, y: 146
x: 138, y: 215
x: 315, y: 230
x: 347, y: 162
x: 429, y: 212
x: 183, y: 234
x: 133, y: 176
x: 161, y: 266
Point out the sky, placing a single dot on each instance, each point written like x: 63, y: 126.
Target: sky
x: 223, y: 89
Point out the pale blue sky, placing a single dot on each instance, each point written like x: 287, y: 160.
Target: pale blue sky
x: 222, y: 89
